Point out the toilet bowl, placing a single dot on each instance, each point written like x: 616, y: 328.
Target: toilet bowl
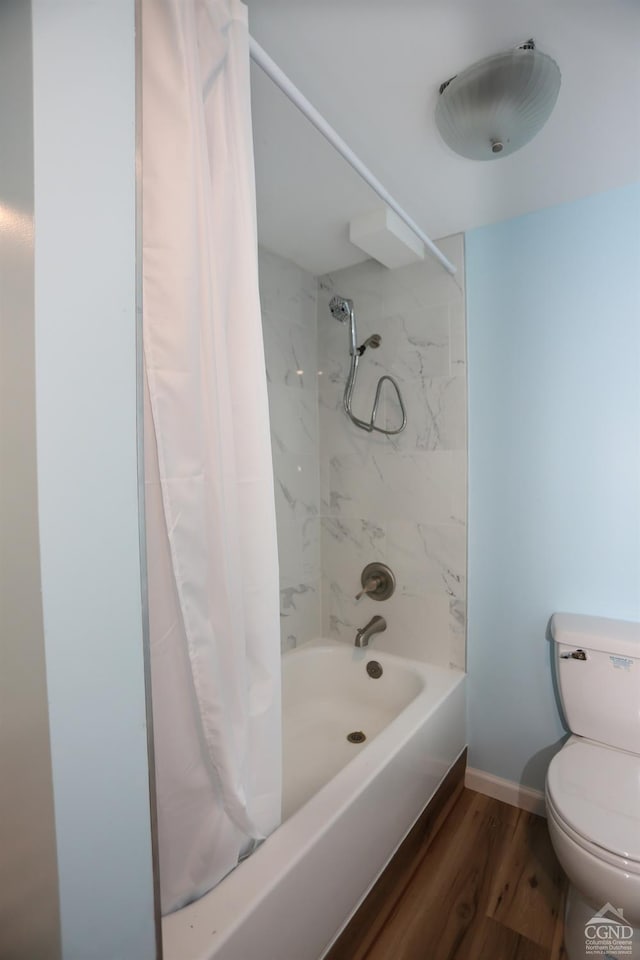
x: 594, y: 823
x: 592, y: 790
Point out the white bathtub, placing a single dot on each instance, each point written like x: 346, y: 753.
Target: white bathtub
x: 347, y: 806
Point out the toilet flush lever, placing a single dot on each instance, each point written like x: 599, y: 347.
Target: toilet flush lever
x: 574, y: 655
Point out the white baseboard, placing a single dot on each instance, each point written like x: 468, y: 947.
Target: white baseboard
x: 506, y: 790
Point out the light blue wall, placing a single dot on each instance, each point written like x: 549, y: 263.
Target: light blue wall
x: 84, y: 88
x: 554, y: 458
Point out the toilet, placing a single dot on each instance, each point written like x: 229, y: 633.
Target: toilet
x: 593, y: 784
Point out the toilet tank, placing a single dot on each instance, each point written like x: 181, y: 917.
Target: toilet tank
x: 598, y: 670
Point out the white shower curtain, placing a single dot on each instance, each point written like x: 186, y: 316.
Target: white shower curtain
x: 211, y: 536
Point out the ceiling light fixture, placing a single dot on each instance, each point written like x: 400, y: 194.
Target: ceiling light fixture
x: 499, y: 104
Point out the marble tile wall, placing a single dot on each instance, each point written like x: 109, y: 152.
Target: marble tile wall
x: 288, y: 298
x: 345, y: 497
x: 399, y: 499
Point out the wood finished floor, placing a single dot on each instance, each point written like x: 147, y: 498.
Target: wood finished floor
x: 486, y: 887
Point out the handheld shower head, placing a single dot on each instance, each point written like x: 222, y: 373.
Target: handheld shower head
x: 341, y: 308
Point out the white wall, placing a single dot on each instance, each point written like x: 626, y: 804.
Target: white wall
x: 554, y: 456
x: 29, y: 921
x: 85, y: 297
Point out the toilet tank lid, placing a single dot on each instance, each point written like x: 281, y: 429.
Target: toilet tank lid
x: 620, y: 637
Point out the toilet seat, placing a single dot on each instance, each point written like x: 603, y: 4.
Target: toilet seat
x: 597, y: 880
x: 626, y: 866
x: 593, y: 792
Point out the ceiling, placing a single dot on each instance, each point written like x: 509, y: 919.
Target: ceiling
x: 373, y: 68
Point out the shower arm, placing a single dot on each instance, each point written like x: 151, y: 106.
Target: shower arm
x: 370, y: 425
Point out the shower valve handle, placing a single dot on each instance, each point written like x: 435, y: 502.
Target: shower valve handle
x: 371, y: 585
x: 378, y: 581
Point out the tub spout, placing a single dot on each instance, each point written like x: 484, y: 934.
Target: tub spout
x: 375, y: 625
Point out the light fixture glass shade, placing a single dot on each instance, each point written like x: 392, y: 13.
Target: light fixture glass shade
x: 497, y: 105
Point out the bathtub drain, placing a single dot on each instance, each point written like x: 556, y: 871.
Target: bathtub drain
x: 356, y: 737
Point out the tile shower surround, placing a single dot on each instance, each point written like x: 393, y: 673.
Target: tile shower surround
x: 288, y: 298
x: 345, y: 497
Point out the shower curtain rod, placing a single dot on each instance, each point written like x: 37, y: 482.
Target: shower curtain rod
x: 281, y: 80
